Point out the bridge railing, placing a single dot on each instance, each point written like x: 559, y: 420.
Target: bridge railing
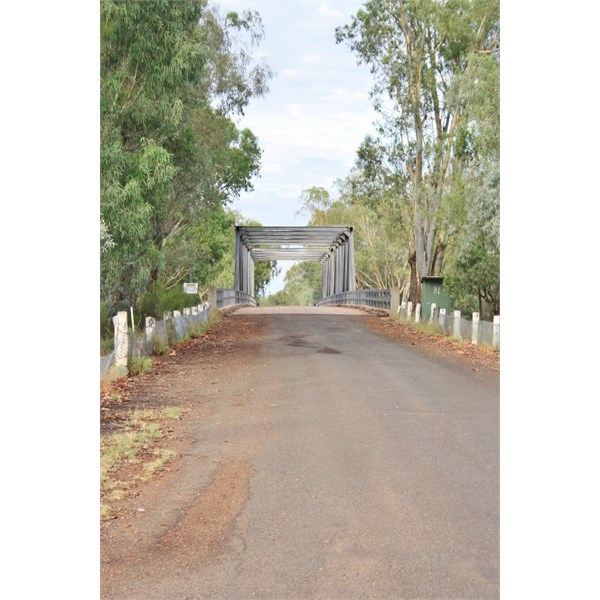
x: 231, y: 297
x: 452, y: 324
x: 374, y: 298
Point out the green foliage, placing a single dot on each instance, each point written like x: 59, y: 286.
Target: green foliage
x: 436, y: 68
x: 106, y: 326
x: 223, y: 276
x: 159, y: 344
x: 380, y: 243
x: 473, y: 272
x: 474, y: 281
x: 159, y: 300
x: 303, y: 286
x: 198, y: 329
x: 137, y: 365
x: 169, y: 159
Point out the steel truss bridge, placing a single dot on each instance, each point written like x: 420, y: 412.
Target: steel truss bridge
x: 332, y: 246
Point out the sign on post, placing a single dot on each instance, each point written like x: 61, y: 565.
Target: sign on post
x: 190, y: 288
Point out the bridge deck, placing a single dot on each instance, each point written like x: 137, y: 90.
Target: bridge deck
x: 299, y: 310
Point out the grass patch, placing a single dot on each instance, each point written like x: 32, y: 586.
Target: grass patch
x: 155, y: 466
x: 133, y: 447
x: 429, y: 328
x: 426, y: 327
x: 136, y: 365
x: 105, y: 511
x: 107, y: 345
x: 174, y: 413
x: 159, y: 344
x: 198, y: 329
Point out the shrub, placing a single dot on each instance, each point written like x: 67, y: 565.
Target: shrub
x: 136, y: 365
x: 107, y: 345
x: 106, y: 326
x: 159, y: 300
x: 159, y: 344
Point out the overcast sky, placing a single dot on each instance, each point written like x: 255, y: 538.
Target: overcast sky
x: 316, y: 113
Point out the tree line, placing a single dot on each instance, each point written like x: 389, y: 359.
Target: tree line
x: 423, y: 194
x: 175, y: 77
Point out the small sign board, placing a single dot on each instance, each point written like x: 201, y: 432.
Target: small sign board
x: 190, y: 288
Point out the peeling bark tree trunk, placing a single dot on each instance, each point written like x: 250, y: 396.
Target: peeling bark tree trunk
x: 438, y: 259
x: 414, y: 294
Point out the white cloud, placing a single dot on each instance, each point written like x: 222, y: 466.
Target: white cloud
x: 326, y: 10
x: 316, y: 114
x: 270, y: 168
x: 311, y: 58
x: 292, y: 73
x: 295, y: 110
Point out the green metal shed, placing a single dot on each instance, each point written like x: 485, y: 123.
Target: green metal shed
x: 433, y: 292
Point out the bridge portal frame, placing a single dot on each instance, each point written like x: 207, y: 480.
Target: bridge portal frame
x: 332, y: 246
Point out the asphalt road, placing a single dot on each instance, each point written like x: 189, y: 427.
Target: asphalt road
x: 379, y: 476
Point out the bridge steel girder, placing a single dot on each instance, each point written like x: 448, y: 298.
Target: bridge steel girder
x: 333, y: 246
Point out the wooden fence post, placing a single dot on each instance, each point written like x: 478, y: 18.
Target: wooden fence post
x: 475, y: 329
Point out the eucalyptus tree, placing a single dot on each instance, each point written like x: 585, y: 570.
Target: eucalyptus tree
x: 418, y: 52
x: 378, y: 252
x: 173, y: 77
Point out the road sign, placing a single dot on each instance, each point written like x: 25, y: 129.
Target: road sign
x: 190, y: 288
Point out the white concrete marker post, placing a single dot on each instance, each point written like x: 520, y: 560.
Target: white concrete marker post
x: 475, y: 329
x: 150, y: 325
x: 121, y: 338
x: 432, y: 313
x: 443, y: 318
x: 496, y: 332
x: 395, y: 301
x: 456, y: 324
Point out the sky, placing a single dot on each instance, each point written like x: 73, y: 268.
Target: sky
x: 316, y: 113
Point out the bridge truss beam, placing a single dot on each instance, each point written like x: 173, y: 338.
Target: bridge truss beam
x: 332, y: 246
